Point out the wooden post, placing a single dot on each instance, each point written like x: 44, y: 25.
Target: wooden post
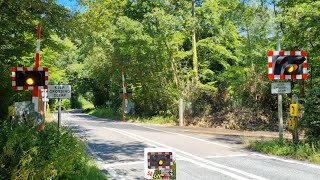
x: 181, y: 111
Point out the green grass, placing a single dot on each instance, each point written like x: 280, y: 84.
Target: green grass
x: 85, y: 104
x: 49, y: 154
x: 152, y: 120
x: 113, y: 114
x: 49, y: 115
x: 301, y: 151
x: 108, y: 113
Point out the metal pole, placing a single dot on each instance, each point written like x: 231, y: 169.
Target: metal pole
x: 59, y: 113
x: 280, y: 114
x: 181, y: 110
x: 35, y: 92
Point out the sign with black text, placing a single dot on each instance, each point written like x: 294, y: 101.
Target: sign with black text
x: 59, y: 91
x: 280, y: 88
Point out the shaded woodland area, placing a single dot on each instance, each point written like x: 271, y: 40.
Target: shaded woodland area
x: 211, y: 53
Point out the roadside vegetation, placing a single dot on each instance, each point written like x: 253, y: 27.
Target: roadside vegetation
x: 49, y: 154
x: 221, y: 74
x: 306, y: 151
x: 214, y: 59
x: 115, y: 114
x: 109, y: 113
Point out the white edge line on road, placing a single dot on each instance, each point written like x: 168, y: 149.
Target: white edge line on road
x: 204, y: 161
x: 219, y: 144
x: 226, y: 156
x: 287, y: 160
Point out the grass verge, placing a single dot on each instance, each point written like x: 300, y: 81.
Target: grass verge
x: 302, y: 151
x: 49, y: 154
x: 108, y: 113
x: 152, y: 120
x: 113, y: 114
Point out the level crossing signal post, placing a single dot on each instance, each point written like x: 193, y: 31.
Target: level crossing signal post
x: 287, y: 65
x: 32, y: 78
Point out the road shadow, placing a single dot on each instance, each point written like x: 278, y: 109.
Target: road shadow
x: 111, y: 123
x: 227, y: 139
x: 114, y: 152
x: 117, y: 152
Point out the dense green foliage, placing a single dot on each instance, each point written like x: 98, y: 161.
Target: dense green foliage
x: 153, y: 42
x: 311, y: 118
x: 300, y: 151
x: 28, y: 154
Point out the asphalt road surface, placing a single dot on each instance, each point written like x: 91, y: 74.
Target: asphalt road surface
x: 118, y: 149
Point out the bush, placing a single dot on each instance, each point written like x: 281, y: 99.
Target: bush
x: 53, y: 154
x: 311, y: 118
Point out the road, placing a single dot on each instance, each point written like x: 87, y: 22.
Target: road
x: 118, y: 149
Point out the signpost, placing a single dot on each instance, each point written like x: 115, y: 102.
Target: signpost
x: 280, y: 88
x: 59, y: 92
x: 284, y: 65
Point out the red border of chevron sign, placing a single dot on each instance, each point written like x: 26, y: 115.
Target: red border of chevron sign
x: 13, y: 77
x: 160, y: 167
x: 287, y: 53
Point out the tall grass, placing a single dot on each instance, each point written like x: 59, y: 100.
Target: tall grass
x: 153, y: 120
x: 110, y: 113
x: 49, y: 154
x: 301, y: 151
x: 115, y: 114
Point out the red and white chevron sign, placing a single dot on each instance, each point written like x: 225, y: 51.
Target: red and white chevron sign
x: 13, y: 78
x: 271, y: 65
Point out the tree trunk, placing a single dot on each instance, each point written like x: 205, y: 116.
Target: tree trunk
x: 194, y: 48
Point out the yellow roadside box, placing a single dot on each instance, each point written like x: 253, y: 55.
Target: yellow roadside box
x: 293, y: 109
x: 11, y: 110
x: 292, y: 123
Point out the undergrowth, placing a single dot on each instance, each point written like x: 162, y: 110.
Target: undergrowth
x: 109, y: 113
x: 308, y: 151
x: 48, y: 154
x: 113, y: 114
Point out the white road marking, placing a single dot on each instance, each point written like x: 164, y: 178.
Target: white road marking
x: 204, y: 162
x: 210, y: 142
x: 287, y: 160
x: 233, y: 155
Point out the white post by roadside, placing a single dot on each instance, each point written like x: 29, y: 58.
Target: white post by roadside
x: 280, y: 114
